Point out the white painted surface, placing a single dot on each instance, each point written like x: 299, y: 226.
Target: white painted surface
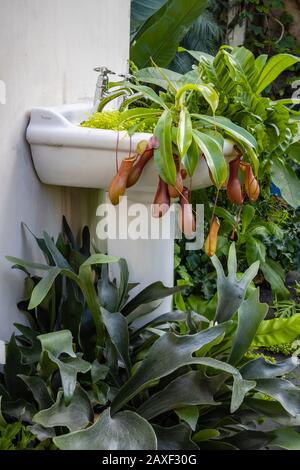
x: 47, y: 53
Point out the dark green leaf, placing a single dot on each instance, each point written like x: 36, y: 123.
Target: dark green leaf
x: 231, y: 292
x: 213, y: 155
x: 117, y: 328
x: 77, y: 415
x: 190, y: 389
x: 174, y: 438
x: 262, y: 369
x: 163, y: 155
x: 250, y: 315
x: 124, y: 431
x: 153, y: 292
x: 167, y: 354
x: 161, y: 39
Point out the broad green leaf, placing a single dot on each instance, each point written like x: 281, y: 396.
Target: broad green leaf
x: 293, y: 152
x: 198, y: 55
x: 255, y: 250
x: 191, y: 159
x: 58, y: 258
x: 153, y: 292
x: 41, y: 433
x: 188, y: 414
x: 236, y: 132
x: 43, y: 287
x: 287, y: 181
x: 184, y: 134
x: 226, y: 215
x: 274, y: 67
x: 57, y: 343
x: 189, y: 389
x: 150, y: 94
x: 108, y: 294
x: 153, y: 75
x: 141, y: 11
x: 174, y: 438
x: 283, y: 391
x: 249, y: 440
x: 206, y: 435
x: 250, y: 315
x: 273, y: 410
x: 13, y: 367
x: 263, y: 369
x: 53, y: 345
x: 117, y: 328
x: 231, y: 291
x: 39, y: 390
x: 124, y: 431
x: 167, y: 354
x: 273, y: 276
x: 163, y: 156
x: 97, y: 259
x: 27, y: 264
x: 285, y: 438
x: 161, y: 39
x: 214, y: 157
x: 98, y: 371
x: 138, y: 113
x: 248, y: 213
x: 210, y: 95
x: 277, y: 331
x: 144, y: 321
x: 77, y: 415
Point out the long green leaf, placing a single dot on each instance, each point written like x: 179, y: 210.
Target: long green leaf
x: 189, y: 389
x: 235, y: 131
x: 43, y: 287
x: 277, y: 331
x: 250, y: 315
x: 154, y: 76
x: 213, y: 155
x: 274, y: 67
x: 184, y: 134
x: 167, y: 354
x: 163, y: 155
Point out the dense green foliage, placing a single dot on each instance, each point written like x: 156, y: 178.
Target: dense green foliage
x: 176, y: 381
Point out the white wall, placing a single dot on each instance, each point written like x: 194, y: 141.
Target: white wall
x: 48, y: 49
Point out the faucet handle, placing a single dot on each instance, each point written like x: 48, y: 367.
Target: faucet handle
x: 104, y: 70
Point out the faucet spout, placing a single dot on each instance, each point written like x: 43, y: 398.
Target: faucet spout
x: 102, y: 84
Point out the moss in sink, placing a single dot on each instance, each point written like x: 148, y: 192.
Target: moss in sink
x: 112, y: 120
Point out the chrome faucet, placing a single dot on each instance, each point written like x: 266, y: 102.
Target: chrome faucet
x: 102, y: 84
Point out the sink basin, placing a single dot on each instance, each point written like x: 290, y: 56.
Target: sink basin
x: 66, y: 154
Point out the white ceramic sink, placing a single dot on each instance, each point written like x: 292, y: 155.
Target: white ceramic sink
x: 66, y: 154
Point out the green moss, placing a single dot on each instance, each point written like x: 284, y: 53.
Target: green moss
x: 111, y: 120
x: 287, y: 349
x: 256, y: 355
